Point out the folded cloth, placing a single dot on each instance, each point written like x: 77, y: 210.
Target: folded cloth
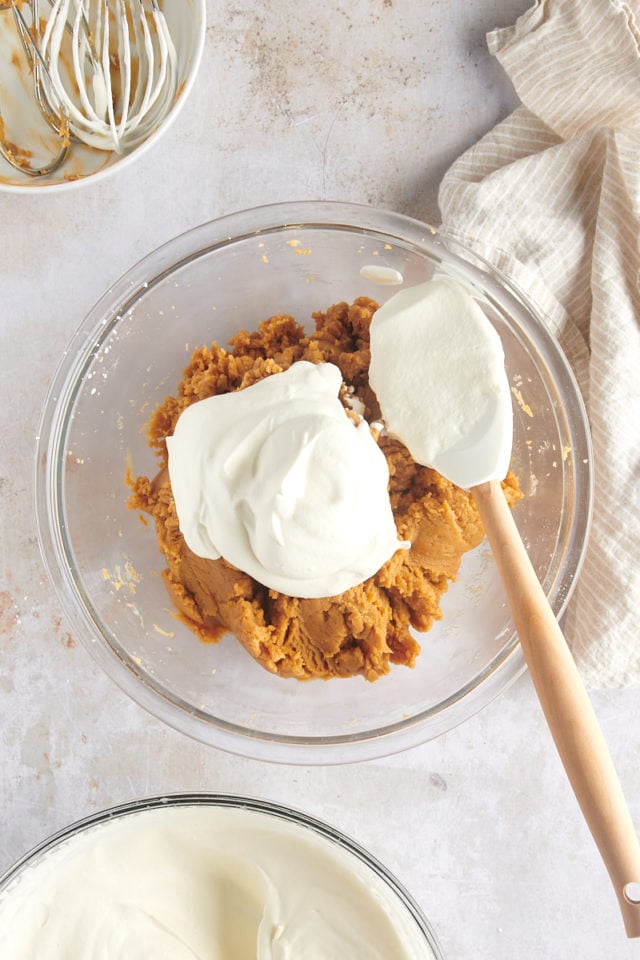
x: 551, y: 197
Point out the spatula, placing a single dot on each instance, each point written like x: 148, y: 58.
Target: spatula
x: 421, y: 322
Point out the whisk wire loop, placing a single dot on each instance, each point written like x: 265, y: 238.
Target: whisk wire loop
x: 105, y: 71
x: 17, y: 157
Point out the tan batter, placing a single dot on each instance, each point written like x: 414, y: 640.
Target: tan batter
x: 366, y: 629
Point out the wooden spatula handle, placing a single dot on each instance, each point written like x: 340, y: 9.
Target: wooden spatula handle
x: 566, y: 706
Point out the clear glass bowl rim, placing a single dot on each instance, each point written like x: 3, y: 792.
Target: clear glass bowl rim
x: 164, y: 260
x: 237, y: 802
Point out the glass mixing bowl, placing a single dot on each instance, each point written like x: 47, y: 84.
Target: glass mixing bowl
x: 58, y: 851
x: 129, y: 354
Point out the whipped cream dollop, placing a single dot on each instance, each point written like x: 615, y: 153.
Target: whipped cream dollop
x: 437, y: 369
x: 198, y: 882
x: 281, y: 482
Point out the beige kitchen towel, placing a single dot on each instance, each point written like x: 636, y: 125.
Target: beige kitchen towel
x: 552, y: 197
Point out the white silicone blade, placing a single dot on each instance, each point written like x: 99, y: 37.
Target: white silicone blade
x: 437, y: 368
x: 485, y: 452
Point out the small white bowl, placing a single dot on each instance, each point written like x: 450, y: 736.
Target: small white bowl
x: 26, y: 129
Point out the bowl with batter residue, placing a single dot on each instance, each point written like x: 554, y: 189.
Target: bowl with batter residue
x: 36, y: 151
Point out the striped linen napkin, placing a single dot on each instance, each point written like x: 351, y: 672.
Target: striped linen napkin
x: 551, y: 196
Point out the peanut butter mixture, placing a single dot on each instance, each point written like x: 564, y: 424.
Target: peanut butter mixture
x: 366, y: 629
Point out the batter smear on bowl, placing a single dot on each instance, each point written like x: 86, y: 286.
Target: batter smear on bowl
x: 365, y: 628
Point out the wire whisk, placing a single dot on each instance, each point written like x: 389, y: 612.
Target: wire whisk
x: 104, y: 72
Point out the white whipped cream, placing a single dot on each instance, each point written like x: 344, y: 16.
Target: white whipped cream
x: 278, y: 480
x: 437, y: 368
x: 200, y: 882
x: 386, y: 276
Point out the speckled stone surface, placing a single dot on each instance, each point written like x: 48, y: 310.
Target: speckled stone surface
x: 360, y: 101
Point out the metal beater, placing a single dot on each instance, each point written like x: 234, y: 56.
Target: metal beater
x: 104, y: 73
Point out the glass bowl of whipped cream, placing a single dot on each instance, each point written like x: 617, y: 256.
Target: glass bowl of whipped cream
x: 203, y: 875
x: 114, y: 548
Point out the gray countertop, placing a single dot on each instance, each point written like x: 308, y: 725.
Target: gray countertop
x: 367, y: 102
